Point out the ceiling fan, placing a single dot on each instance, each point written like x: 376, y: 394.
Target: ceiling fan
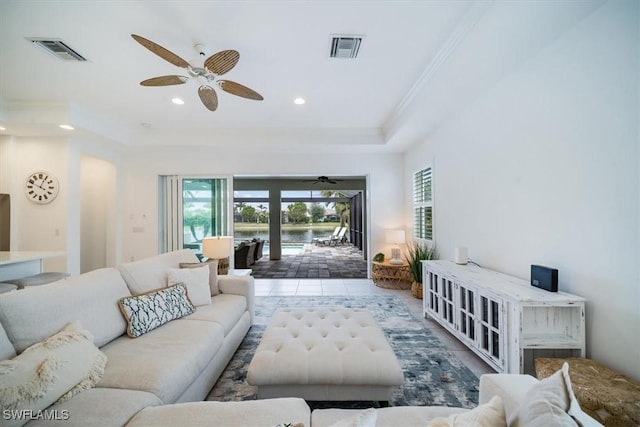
x: 323, y: 180
x: 207, y: 74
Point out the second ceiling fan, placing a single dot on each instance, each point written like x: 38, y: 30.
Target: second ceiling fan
x: 207, y: 74
x: 323, y: 180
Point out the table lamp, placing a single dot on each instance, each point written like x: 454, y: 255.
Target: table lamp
x: 395, y: 237
x: 218, y: 247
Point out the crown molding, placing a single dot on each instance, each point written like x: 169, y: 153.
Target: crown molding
x: 475, y: 12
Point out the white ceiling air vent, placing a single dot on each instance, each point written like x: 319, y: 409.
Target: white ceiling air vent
x: 59, y: 49
x: 345, y: 46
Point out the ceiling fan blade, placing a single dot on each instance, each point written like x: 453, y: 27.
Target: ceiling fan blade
x: 208, y: 97
x: 161, y: 52
x: 221, y: 62
x: 165, y: 81
x: 239, y: 90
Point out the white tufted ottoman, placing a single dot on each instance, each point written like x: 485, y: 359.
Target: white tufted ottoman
x: 324, y: 354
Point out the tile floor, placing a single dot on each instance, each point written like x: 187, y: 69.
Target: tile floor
x: 285, y: 287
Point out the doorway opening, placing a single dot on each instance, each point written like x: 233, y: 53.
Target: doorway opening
x: 309, y: 229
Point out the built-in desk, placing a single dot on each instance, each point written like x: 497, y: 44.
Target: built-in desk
x: 16, y: 264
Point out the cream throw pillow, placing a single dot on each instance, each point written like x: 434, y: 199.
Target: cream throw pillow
x: 49, y: 372
x: 490, y: 414
x: 196, y: 280
x: 213, y: 273
x: 366, y: 418
x: 550, y: 402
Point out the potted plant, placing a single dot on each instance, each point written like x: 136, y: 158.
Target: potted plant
x: 418, y: 251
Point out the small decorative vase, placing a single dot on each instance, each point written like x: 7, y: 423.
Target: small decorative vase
x: 416, y: 290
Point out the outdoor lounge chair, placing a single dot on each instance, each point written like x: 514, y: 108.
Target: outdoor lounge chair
x: 318, y: 240
x: 334, y: 240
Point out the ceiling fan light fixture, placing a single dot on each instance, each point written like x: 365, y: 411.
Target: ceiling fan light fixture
x: 214, y: 66
x: 177, y: 101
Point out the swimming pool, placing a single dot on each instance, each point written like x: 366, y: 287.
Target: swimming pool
x: 287, y: 248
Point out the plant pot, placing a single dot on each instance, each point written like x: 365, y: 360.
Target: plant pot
x: 416, y: 290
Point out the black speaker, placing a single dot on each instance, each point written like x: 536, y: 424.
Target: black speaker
x: 544, y: 278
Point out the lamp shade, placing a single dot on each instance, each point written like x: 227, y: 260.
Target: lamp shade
x: 395, y: 236
x: 216, y: 247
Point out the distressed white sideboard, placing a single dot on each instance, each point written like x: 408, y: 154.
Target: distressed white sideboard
x: 503, y: 319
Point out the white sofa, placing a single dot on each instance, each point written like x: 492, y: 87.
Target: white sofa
x: 178, y: 362
x: 161, y: 377
x: 513, y: 390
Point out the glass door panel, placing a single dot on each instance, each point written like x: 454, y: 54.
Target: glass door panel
x: 205, y: 207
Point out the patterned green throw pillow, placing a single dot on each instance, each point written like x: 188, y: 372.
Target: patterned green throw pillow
x: 147, y: 311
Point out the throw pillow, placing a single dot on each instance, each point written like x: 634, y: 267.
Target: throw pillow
x: 490, y: 414
x: 366, y: 418
x: 147, y: 311
x: 213, y: 273
x: 50, y: 372
x: 195, y: 279
x: 547, y: 403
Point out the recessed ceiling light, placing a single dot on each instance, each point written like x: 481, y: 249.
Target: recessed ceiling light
x: 67, y: 127
x: 177, y: 101
x: 2, y: 128
x: 299, y: 101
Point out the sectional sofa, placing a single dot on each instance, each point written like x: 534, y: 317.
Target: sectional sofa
x: 179, y: 361
x: 161, y: 376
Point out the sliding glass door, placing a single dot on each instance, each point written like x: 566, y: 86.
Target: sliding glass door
x: 194, y: 208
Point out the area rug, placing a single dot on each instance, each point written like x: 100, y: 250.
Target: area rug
x: 432, y: 374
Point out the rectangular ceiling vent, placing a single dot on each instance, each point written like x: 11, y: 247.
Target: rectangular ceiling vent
x: 345, y: 46
x: 59, y: 49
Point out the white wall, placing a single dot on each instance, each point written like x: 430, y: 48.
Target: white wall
x: 143, y: 167
x: 36, y: 227
x: 98, y: 213
x: 544, y: 169
x: 54, y: 226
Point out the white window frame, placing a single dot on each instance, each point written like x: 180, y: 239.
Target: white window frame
x: 423, y: 204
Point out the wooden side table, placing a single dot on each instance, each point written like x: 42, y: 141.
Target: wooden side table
x: 391, y: 276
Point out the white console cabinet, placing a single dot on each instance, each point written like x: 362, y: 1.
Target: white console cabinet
x: 503, y: 319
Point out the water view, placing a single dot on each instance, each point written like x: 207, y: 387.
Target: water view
x: 288, y: 235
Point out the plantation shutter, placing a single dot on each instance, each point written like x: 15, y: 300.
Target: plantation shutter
x: 423, y: 204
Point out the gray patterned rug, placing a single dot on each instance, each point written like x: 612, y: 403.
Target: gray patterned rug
x: 432, y: 375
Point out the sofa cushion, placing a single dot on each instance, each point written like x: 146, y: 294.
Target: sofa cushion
x: 225, y: 309
x: 488, y: 414
x: 99, y: 407
x: 6, y: 348
x: 56, y: 369
x: 213, y: 273
x: 250, y: 413
x: 151, y: 273
x: 196, y: 280
x: 394, y: 416
x: 165, y: 361
x: 148, y: 311
x: 365, y: 418
x: 35, y: 313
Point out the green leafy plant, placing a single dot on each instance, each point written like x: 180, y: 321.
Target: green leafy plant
x: 417, y: 252
x: 379, y: 257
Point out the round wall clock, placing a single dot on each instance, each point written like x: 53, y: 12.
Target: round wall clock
x: 41, y: 187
